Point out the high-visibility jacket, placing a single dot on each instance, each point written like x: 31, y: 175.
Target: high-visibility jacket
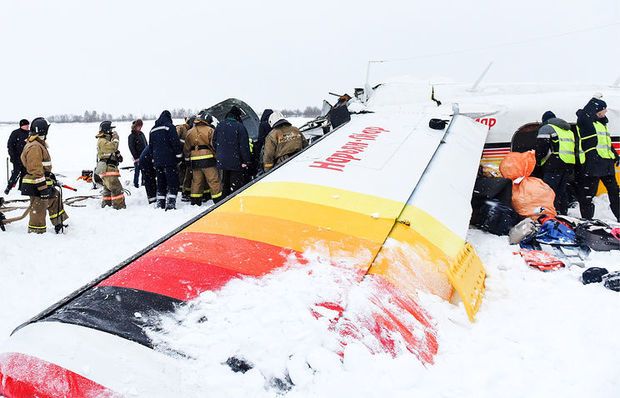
x: 563, y: 145
x: 603, y: 141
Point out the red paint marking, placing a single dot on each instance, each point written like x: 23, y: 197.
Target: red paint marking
x: 388, y: 323
x: 24, y: 376
x: 487, y: 121
x: 192, y: 262
x: 350, y: 151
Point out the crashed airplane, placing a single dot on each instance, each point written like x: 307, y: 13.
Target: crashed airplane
x: 383, y: 189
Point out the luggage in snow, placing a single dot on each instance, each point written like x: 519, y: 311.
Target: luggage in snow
x: 531, y: 197
x: 494, y: 217
x: 597, y: 235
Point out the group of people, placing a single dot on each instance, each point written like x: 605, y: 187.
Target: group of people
x: 207, y: 162
x: 212, y: 162
x: 586, y: 156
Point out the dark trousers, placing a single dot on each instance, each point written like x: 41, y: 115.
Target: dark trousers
x: 150, y: 184
x: 587, y: 190
x: 136, y: 175
x: 167, y: 182
x: 18, y: 171
x: 232, y: 180
x: 558, y: 181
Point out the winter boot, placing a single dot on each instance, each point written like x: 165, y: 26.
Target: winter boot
x: 196, y: 201
x: 60, y: 228
x: 161, y: 203
x: 171, y: 203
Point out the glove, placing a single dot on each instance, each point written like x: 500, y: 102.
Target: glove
x: 119, y: 157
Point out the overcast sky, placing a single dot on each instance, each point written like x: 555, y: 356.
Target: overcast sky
x: 121, y: 56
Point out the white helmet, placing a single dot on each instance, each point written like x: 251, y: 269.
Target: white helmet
x: 276, y: 118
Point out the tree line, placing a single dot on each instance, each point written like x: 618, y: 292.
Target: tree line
x: 180, y: 113
x: 310, y: 111
x: 94, y: 116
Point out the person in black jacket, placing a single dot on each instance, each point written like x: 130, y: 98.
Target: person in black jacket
x: 15, y: 145
x: 557, y: 154
x: 600, y: 158
x: 149, y: 179
x: 167, y: 152
x: 263, y: 130
x: 137, y: 143
x: 232, y: 151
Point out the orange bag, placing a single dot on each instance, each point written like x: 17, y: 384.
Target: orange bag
x: 531, y: 197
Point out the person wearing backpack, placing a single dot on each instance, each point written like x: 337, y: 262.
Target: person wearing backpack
x: 600, y: 158
x: 556, y: 154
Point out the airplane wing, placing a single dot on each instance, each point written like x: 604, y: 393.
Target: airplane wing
x: 384, y: 191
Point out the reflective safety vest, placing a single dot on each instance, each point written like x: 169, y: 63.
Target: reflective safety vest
x: 563, y: 145
x: 603, y: 141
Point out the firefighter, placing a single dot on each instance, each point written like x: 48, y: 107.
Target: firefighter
x: 282, y: 142
x: 39, y: 181
x: 600, y: 157
x: 557, y: 153
x: 15, y: 146
x: 167, y: 153
x: 108, y: 158
x: 185, y: 171
x: 198, y: 148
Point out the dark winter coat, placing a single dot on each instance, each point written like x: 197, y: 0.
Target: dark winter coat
x: 232, y: 146
x: 595, y: 166
x: 137, y: 142
x: 16, y: 144
x: 145, y: 163
x: 263, y: 130
x: 544, y: 145
x: 164, y: 143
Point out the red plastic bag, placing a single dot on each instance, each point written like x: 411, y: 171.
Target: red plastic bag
x: 531, y: 197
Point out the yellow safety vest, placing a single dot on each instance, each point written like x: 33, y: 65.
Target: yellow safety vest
x: 603, y: 141
x: 564, y: 146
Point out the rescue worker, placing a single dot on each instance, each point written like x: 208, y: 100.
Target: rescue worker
x: 600, y: 157
x: 15, y: 146
x: 232, y: 151
x: 167, y: 153
x: 148, y: 174
x: 199, y: 149
x: 282, y: 142
x: 108, y: 159
x: 39, y: 181
x: 185, y: 172
x: 263, y: 130
x: 137, y: 142
x: 556, y: 153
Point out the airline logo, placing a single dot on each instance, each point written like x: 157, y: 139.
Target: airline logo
x: 487, y: 121
x: 351, y: 150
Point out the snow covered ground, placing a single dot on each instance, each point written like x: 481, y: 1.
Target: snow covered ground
x: 537, y: 334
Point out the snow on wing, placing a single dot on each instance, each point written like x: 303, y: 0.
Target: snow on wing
x: 347, y: 192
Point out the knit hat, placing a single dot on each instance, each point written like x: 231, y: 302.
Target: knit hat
x: 546, y: 116
x: 137, y: 122
x: 596, y: 105
x: 24, y: 122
